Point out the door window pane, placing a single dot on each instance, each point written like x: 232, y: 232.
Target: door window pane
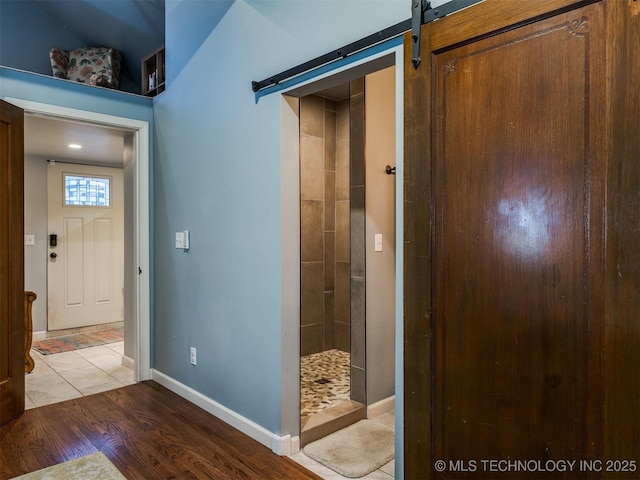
x: 88, y: 191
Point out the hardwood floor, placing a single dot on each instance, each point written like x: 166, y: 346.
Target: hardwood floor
x: 147, y: 431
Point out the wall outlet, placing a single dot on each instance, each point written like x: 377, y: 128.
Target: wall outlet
x: 193, y: 356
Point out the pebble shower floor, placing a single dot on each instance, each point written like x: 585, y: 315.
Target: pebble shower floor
x: 324, y: 380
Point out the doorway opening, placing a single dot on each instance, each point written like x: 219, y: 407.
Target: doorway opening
x: 135, y: 163
x: 75, y: 211
x: 347, y: 252
x: 332, y: 263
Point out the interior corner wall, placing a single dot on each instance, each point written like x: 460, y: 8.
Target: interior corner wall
x: 217, y: 172
x: 380, y: 151
x: 35, y: 223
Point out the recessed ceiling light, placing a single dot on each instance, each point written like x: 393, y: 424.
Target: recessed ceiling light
x: 74, y: 145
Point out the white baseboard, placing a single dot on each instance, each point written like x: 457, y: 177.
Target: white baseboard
x: 39, y: 336
x: 127, y: 362
x: 279, y: 445
x: 295, y: 445
x: 383, y: 406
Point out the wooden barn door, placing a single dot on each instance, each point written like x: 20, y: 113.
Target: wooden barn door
x: 505, y: 249
x: 12, y: 343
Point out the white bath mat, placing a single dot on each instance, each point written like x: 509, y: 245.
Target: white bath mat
x: 356, y: 450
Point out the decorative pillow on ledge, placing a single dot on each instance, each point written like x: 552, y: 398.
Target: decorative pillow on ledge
x: 93, y: 65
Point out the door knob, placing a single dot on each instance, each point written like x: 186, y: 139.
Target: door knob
x: 53, y: 255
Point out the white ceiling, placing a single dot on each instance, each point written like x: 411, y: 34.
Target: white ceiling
x: 50, y: 137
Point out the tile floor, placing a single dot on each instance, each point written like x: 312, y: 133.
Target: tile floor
x: 324, y: 381
x: 63, y: 376
x: 321, y: 401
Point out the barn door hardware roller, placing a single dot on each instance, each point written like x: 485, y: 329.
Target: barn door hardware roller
x: 418, y: 7
x: 421, y: 13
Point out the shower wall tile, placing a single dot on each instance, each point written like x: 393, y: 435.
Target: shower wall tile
x: 343, y: 172
x: 312, y: 116
x: 329, y: 321
x: 357, y: 226
x: 356, y: 86
x: 358, y: 321
x: 310, y: 339
x: 329, y: 104
x: 311, y: 294
x: 311, y: 234
x: 342, y: 292
x: 342, y: 120
x: 311, y: 168
x: 329, y: 200
x: 342, y: 336
x: 358, y: 385
x: 358, y: 240
x: 329, y: 140
x: 342, y: 231
x: 329, y: 261
x: 357, y: 140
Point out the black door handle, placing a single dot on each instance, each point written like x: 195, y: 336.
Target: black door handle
x: 53, y: 255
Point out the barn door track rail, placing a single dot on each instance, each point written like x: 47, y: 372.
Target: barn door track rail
x: 421, y: 13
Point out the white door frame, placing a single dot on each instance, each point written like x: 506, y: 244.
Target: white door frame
x: 142, y: 323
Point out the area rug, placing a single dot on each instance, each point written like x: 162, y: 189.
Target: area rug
x: 95, y: 466
x: 77, y: 341
x: 356, y: 450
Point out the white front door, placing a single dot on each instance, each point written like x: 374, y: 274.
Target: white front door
x: 86, y: 265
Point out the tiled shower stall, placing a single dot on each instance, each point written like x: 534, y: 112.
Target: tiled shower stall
x: 332, y: 269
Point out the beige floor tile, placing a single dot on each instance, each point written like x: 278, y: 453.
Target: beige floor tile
x: 42, y: 380
x: 40, y: 368
x: 100, y: 356
x: 28, y: 403
x: 377, y: 475
x: 61, y: 362
x: 389, y: 468
x: 121, y: 373
x: 103, y: 387
x: 68, y: 375
x: 86, y: 377
x: 117, y: 347
x: 316, y: 467
x: 58, y: 390
x: 387, y: 419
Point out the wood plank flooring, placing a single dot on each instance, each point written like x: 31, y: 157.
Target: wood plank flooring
x: 147, y: 431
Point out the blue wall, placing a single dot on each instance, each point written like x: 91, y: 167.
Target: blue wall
x: 217, y: 173
x: 29, y: 28
x: 27, y: 34
x: 65, y: 93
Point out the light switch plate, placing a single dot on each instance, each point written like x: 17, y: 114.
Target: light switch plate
x: 377, y: 242
x: 179, y: 239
